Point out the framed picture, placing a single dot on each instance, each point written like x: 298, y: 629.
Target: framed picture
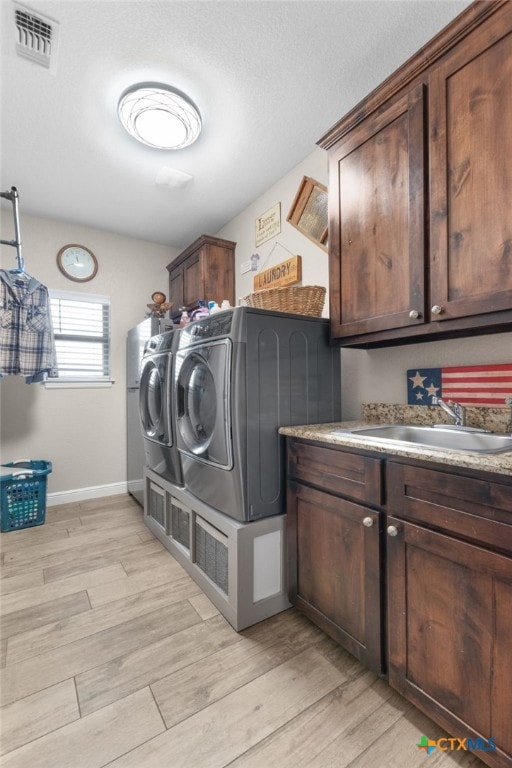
x: 308, y: 212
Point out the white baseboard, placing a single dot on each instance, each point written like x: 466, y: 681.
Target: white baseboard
x: 82, y: 494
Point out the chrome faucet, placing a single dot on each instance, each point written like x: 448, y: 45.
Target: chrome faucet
x: 456, y: 412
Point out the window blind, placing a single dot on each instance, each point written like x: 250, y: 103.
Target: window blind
x: 81, y: 328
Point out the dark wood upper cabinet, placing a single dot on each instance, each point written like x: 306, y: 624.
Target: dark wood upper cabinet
x: 470, y: 108
x: 420, y: 193
x: 377, y: 190
x: 203, y: 271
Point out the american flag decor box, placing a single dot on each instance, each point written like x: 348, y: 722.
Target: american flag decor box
x: 479, y: 385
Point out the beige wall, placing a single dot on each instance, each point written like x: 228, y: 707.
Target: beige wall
x: 379, y: 375
x: 82, y: 431
x: 290, y: 241
x: 375, y: 376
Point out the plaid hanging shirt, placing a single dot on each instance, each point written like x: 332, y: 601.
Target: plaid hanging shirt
x: 27, y: 347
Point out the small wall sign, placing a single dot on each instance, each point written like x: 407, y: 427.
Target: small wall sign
x: 268, y: 224
x: 286, y: 273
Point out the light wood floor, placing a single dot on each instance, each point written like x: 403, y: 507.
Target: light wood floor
x: 111, y: 655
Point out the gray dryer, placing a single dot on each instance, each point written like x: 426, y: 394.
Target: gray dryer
x: 239, y: 376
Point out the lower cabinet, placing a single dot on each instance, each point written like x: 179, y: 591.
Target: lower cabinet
x: 334, y: 554
x: 438, y: 615
x: 334, y: 569
x: 450, y: 633
x: 449, y: 602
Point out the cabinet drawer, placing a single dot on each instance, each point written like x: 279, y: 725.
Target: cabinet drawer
x: 346, y: 474
x: 474, y: 509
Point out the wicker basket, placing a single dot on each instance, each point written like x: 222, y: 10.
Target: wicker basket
x: 299, y: 300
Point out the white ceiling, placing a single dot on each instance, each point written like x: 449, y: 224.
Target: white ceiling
x: 270, y: 77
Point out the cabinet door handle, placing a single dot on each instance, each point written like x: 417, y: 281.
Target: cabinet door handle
x: 436, y: 309
x: 414, y: 314
x: 392, y: 530
x: 368, y: 522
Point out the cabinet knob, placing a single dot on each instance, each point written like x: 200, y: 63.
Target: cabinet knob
x: 436, y: 309
x: 392, y: 530
x: 414, y: 314
x: 368, y: 522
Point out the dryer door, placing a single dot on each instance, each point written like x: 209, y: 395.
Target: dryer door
x: 203, y: 412
x: 153, y: 400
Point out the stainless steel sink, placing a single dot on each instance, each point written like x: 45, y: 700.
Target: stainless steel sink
x: 438, y: 438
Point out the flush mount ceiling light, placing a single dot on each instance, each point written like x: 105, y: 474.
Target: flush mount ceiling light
x: 159, y: 116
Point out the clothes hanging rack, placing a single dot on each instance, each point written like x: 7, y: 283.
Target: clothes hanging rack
x: 13, y: 196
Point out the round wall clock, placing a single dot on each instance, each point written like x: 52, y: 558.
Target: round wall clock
x: 77, y: 262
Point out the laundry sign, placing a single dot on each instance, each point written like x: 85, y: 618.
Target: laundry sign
x: 286, y: 273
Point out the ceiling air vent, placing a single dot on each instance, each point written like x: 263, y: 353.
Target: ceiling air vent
x: 35, y: 36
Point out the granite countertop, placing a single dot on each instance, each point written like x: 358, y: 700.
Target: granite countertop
x: 373, y: 413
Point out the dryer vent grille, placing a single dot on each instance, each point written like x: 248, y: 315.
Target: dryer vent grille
x: 35, y: 38
x: 180, y: 525
x: 212, y: 554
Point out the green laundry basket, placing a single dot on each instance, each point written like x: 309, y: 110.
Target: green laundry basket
x: 23, y: 493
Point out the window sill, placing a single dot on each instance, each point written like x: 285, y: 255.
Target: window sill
x: 77, y: 384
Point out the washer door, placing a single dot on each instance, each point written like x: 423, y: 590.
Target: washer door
x: 153, y: 400
x: 203, y: 402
